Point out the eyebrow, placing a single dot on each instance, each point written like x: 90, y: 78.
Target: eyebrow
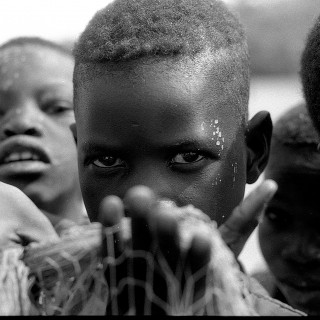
x: 178, y: 146
x: 187, y: 144
x: 89, y: 148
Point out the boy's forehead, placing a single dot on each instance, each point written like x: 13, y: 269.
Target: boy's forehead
x: 19, y: 55
x: 199, y: 79
x: 297, y: 172
x: 293, y: 159
x: 34, y: 62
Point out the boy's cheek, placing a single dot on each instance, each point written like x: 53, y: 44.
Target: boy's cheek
x: 217, y: 191
x: 271, y: 244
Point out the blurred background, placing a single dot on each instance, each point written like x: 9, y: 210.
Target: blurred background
x: 276, y: 31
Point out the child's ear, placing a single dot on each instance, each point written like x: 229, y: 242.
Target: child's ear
x: 258, y: 138
x: 73, y: 129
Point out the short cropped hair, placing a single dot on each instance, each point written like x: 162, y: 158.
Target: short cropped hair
x: 127, y: 30
x: 310, y: 73
x: 36, y: 41
x: 295, y: 129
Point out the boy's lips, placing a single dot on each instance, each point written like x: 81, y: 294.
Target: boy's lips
x: 20, y: 155
x: 302, y: 294
x: 301, y: 284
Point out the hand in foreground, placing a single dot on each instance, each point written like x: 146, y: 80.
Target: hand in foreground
x: 244, y: 218
x: 21, y: 222
x: 152, y: 232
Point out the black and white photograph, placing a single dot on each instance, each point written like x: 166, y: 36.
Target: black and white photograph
x: 159, y: 157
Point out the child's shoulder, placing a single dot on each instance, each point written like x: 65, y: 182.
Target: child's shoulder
x: 264, y: 304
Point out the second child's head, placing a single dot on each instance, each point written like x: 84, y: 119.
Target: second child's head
x: 289, y: 233
x: 37, y: 149
x: 310, y: 73
x: 161, y: 94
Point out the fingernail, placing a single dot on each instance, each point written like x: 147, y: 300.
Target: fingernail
x: 272, y: 188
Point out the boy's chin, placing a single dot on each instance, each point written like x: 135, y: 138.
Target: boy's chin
x: 304, y: 299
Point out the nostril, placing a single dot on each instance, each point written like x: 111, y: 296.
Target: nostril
x: 31, y: 132
x: 8, y: 132
x: 16, y: 131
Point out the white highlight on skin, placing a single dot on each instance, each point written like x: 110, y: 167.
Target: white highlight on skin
x: 217, y: 180
x: 216, y: 132
x: 235, y: 171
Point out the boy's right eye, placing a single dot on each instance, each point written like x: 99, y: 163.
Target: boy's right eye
x: 108, y: 162
x: 278, y: 218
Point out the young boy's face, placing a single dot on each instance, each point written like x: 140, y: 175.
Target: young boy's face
x: 289, y: 232
x: 166, y: 126
x: 37, y: 150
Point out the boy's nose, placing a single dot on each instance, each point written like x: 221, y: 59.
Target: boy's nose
x: 157, y: 181
x: 20, y: 122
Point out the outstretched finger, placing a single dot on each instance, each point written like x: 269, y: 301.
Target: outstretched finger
x: 197, y: 261
x: 244, y: 218
x: 139, y: 203
x: 111, y: 213
x: 165, y: 228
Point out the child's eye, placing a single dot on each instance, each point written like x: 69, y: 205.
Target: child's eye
x: 108, y: 162
x: 187, y: 158
x: 58, y: 107
x: 277, y: 218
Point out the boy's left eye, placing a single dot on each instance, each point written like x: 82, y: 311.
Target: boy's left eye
x: 108, y: 162
x: 58, y: 107
x: 187, y: 158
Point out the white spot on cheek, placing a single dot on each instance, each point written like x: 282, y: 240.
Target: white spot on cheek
x: 235, y: 170
x: 217, y: 180
x: 216, y: 133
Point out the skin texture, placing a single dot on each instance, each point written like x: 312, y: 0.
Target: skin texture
x: 36, y: 110
x: 145, y: 113
x: 289, y: 232
x: 168, y: 126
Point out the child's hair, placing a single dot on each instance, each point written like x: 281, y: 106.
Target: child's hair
x: 36, y: 41
x: 295, y: 130
x: 310, y: 73
x: 131, y: 29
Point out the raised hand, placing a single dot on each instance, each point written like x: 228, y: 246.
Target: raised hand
x: 153, y: 232
x: 21, y: 222
x: 244, y: 218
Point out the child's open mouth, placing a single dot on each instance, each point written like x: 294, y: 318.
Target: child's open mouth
x: 22, y: 156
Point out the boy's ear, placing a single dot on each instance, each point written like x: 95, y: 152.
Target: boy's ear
x: 258, y: 139
x: 73, y: 129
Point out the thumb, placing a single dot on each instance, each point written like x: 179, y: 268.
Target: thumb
x: 244, y: 218
x: 34, y: 226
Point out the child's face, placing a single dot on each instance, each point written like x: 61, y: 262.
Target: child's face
x: 164, y: 126
x: 37, y: 150
x: 289, y: 232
